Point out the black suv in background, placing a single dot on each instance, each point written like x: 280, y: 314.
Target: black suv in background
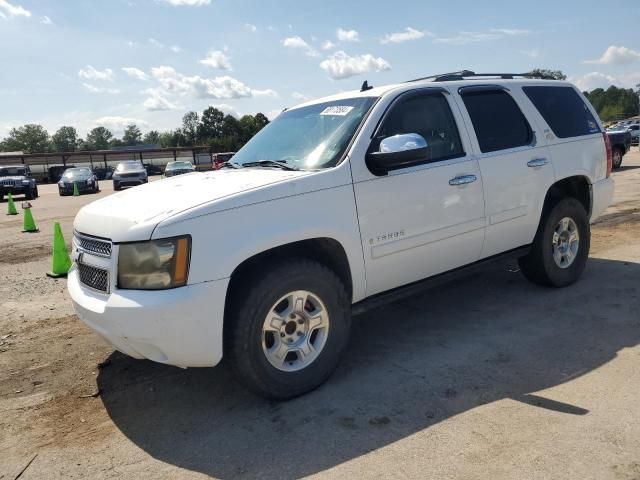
x: 17, y: 180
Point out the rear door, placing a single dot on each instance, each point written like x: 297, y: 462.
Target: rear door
x: 515, y: 166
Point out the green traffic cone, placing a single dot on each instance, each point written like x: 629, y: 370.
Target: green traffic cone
x: 11, y: 208
x: 60, y: 262
x: 29, y: 225
x: 76, y: 193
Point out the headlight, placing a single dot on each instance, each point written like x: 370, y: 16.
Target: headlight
x: 90, y: 181
x: 25, y: 182
x: 154, y: 265
x: 61, y: 183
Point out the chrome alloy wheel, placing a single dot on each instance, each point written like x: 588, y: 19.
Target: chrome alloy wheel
x: 566, y: 242
x: 295, y: 331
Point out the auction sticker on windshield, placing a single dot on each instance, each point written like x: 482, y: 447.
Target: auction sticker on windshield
x: 336, y: 110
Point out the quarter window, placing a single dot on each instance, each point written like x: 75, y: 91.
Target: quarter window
x: 428, y: 115
x: 564, y: 111
x: 497, y: 120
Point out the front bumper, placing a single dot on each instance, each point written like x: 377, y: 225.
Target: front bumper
x: 68, y: 187
x: 602, y: 194
x: 181, y: 326
x: 13, y: 190
x: 128, y: 181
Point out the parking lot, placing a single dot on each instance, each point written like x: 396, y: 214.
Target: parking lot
x: 488, y: 377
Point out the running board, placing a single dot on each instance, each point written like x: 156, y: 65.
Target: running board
x: 420, y: 286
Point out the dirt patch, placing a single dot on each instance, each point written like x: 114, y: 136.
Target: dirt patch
x: 16, y: 253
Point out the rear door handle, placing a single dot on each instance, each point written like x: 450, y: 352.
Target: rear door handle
x: 537, y: 162
x: 462, y: 180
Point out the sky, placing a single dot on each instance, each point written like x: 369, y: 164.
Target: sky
x: 113, y: 62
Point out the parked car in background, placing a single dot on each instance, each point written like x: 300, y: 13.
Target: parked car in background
x: 83, y: 178
x: 336, y: 206
x: 219, y: 159
x: 17, y: 180
x: 152, y: 169
x: 620, y: 139
x: 128, y: 174
x: 103, y: 173
x: 634, y: 129
x: 178, y: 168
x: 56, y: 171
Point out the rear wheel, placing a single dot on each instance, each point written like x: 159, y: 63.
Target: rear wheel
x: 285, y: 331
x: 561, y: 247
x: 617, y: 158
x: 30, y: 195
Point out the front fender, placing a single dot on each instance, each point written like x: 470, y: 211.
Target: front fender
x: 223, y: 240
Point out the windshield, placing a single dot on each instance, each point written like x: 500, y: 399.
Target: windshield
x: 76, y: 172
x: 128, y: 166
x: 307, y: 138
x: 179, y: 165
x: 12, y: 171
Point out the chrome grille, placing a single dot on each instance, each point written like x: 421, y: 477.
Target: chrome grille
x: 129, y: 175
x: 8, y: 183
x: 93, y: 245
x: 93, y: 277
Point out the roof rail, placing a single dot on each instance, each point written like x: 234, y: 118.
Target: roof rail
x: 462, y: 74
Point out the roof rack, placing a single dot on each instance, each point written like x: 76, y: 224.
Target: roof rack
x: 462, y: 74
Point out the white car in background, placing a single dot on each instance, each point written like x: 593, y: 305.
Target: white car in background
x: 336, y: 206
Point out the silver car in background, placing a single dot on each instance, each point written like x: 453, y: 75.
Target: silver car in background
x: 128, y: 174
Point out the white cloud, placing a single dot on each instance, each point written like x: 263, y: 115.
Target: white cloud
x: 299, y: 43
x: 464, y: 38
x: 157, y: 100
x: 90, y: 73
x: 615, y: 55
x: 250, y: 27
x: 95, y: 89
x: 225, y: 108
x: 217, y: 59
x: 117, y: 124
x: 340, y: 65
x: 46, y: 20
x: 156, y: 43
x: 328, y: 45
x: 224, y: 87
x: 300, y: 96
x: 594, y: 80
x: 188, y: 3
x: 408, y: 34
x: 7, y: 10
x: 175, y: 48
x: 533, y: 53
x: 134, y: 72
x: 265, y: 93
x: 347, y: 35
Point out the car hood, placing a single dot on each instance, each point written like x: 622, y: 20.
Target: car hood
x: 134, y: 213
x: 13, y: 177
x: 124, y: 172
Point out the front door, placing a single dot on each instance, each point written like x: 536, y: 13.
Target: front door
x: 427, y: 217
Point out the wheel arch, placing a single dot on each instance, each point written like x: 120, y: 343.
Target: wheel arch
x: 576, y: 186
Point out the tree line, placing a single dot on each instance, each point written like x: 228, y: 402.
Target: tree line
x: 615, y: 103
x: 212, y: 128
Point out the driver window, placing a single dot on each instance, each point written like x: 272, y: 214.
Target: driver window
x: 430, y: 117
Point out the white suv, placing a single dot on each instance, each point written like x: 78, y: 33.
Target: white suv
x: 338, y: 205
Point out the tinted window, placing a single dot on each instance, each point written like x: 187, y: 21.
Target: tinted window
x: 429, y: 116
x: 498, y: 122
x: 564, y: 110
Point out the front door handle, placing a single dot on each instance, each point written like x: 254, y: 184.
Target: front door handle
x: 537, y: 162
x: 462, y: 180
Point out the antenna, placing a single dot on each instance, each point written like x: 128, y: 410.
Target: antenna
x: 365, y: 86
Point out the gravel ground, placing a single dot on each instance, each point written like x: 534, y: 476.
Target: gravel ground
x: 490, y: 377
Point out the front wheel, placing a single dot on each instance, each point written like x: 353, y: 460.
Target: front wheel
x: 561, y: 247
x: 116, y: 186
x: 285, y: 330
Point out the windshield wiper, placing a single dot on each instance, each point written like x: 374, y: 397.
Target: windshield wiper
x: 271, y: 163
x: 229, y: 164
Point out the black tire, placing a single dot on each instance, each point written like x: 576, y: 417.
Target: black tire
x: 30, y: 195
x: 37, y: 194
x: 617, y: 157
x: 539, y: 265
x: 246, y: 313
x: 116, y: 186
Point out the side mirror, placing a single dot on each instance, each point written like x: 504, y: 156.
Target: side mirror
x: 397, y: 151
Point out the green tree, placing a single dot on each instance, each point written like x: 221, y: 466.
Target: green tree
x: 548, y: 74
x: 132, y: 135
x: 190, y: 128
x: 98, y: 139
x: 614, y: 103
x: 172, y: 138
x: 210, y: 126
x: 30, y: 138
x: 151, y: 137
x: 65, y: 139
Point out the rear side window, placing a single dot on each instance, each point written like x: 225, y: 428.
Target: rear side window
x: 564, y: 111
x: 497, y: 120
